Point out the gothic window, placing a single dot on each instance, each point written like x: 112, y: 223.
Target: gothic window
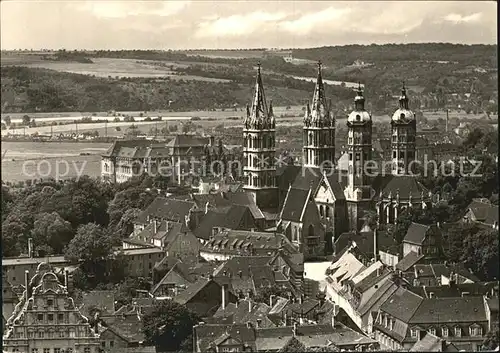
x: 311, y: 231
x: 321, y: 211
x: 350, y: 156
x: 327, y: 211
x: 393, y: 154
x: 402, y: 155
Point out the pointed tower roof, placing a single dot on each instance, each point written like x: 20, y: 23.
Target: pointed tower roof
x: 359, y: 113
x: 259, y: 111
x: 403, y: 114
x: 319, y: 109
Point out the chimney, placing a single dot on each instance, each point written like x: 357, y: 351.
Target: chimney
x: 271, y: 300
x: 154, y: 226
x: 66, y: 279
x: 333, y: 318
x: 249, y: 304
x: 206, y: 207
x: 30, y: 247
x: 211, y: 140
x: 286, y: 319
x: 259, y: 322
x: 223, y: 297
x: 27, y: 284
x: 375, y: 245
x: 294, y: 331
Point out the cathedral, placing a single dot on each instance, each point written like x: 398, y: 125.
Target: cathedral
x: 315, y: 201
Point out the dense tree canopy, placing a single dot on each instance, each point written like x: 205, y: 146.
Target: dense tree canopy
x: 168, y: 325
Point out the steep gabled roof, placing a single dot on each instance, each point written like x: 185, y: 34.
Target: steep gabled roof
x: 484, y: 212
x: 191, y: 291
x: 409, y: 261
x: 166, y: 208
x: 128, y: 327
x: 295, y: 202
x: 416, y: 233
x: 402, y: 304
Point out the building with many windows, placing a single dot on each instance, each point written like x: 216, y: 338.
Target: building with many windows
x: 46, y: 319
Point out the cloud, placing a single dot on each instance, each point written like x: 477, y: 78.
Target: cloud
x: 115, y: 9
x: 308, y: 22
x: 457, y: 18
x: 238, y: 25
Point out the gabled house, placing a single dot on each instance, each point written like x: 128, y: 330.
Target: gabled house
x: 205, y: 296
x: 121, y: 332
x: 482, y: 212
x: 175, y: 281
x: 423, y: 239
x: 404, y: 318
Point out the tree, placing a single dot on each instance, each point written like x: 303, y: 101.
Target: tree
x: 50, y: 229
x: 480, y: 253
x: 134, y: 197
x: 492, y: 340
x: 454, y: 238
x: 91, y: 244
x: 26, y: 120
x: 293, y: 345
x: 125, y: 226
x: 7, y: 120
x: 168, y: 325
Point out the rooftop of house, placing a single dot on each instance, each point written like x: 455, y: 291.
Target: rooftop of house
x: 450, y: 310
x: 431, y: 343
x: 457, y: 290
x: 188, y: 140
x: 166, y: 208
x: 143, y: 251
x: 192, y: 290
x: 102, y: 300
x: 365, y: 241
x: 246, y: 311
x: 295, y: 203
x: 13, y: 261
x: 483, y: 211
x: 410, y: 260
x: 275, y: 338
x: 117, y: 145
x: 416, y: 233
x: 128, y: 327
x: 235, y: 241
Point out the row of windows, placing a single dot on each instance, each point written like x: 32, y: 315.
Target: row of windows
x: 457, y: 331
x: 409, y: 138
x: 402, y: 154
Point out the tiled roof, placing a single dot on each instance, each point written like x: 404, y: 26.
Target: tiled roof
x: 129, y: 327
x: 104, y: 300
x: 402, y: 304
x: 33, y: 260
x: 115, y: 148
x: 429, y: 343
x: 295, y: 202
x: 450, y: 310
x: 378, y: 298
x: 186, y: 140
x: 484, y: 212
x: 416, y: 233
x: 409, y: 261
x: 186, y: 295
x: 252, y: 243
x: 181, y: 269
x: 405, y: 185
x: 246, y: 199
x: 168, y: 209
x: 364, y: 241
x: 455, y: 289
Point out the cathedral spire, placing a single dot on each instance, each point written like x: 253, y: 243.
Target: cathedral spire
x: 403, y: 100
x: 319, y: 109
x: 259, y: 112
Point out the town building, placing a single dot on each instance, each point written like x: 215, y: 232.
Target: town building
x: 405, y: 317
x: 47, y: 320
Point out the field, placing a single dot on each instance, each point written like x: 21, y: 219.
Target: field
x: 227, y: 54
x: 107, y: 67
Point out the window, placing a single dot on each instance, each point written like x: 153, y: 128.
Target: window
x: 350, y: 156
x: 475, y: 331
x: 60, y: 317
x: 39, y: 317
x: 358, y: 156
x: 34, y: 350
x: 432, y: 331
x: 50, y: 317
x: 458, y: 332
x: 46, y: 350
x: 69, y: 350
x: 50, y: 302
x: 111, y: 343
x: 30, y: 334
x: 414, y: 333
x: 85, y: 350
x: 444, y: 331
x: 41, y: 334
x: 393, y: 154
x: 57, y: 350
x: 62, y: 334
x: 71, y: 333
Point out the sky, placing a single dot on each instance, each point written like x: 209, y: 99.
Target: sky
x: 206, y: 24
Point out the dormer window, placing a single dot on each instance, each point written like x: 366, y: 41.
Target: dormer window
x: 414, y: 333
x: 444, y: 331
x: 475, y: 330
x: 432, y: 331
x: 458, y: 332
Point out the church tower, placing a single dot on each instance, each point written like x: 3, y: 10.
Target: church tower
x: 359, y: 146
x: 319, y: 130
x: 259, y: 140
x: 404, y: 130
